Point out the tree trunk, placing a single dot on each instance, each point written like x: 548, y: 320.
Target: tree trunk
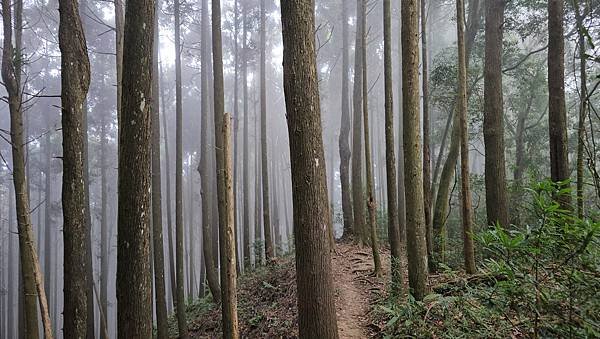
x: 236, y: 118
x: 263, y: 137
x: 104, y: 239
x: 583, y: 104
x: 90, y: 330
x: 224, y: 182
x: 119, y: 32
x: 227, y: 243
x: 390, y: 158
x: 168, y: 190
x: 134, y: 282
x: 371, y: 202
x: 12, y: 263
x: 246, y: 179
x: 47, y: 150
x: 75, y: 83
x: 191, y: 237
x: 257, y: 199
x: 316, y: 306
x: 180, y: 308
x: 413, y: 181
x: 557, y: 113
x: 401, y: 189
x: 493, y: 123
x: 344, y: 144
x: 426, y: 128
x: 357, y: 185
x: 442, y: 200
x: 467, y: 210
x: 30, y: 271
x: 157, y: 221
x: 204, y: 168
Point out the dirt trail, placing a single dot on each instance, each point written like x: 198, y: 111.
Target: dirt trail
x: 352, y: 270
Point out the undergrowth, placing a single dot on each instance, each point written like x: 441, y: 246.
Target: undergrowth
x: 537, y: 280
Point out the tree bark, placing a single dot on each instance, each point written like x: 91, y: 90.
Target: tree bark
x: 134, y: 282
x: 583, y: 105
x: 413, y: 181
x: 246, y: 178
x: 263, y: 137
x: 236, y: 118
x: 496, y: 197
x: 168, y: 190
x: 426, y: 128
x: 557, y: 113
x: 442, y: 200
x: 371, y: 202
x: 390, y: 158
x: 227, y: 243
x: 357, y: 185
x: 316, y: 305
x: 33, y: 288
x: 224, y: 185
x: 204, y: 168
x: 343, y: 142
x: 157, y: 221
x: 180, y: 305
x: 104, y: 239
x: 401, y: 189
x: 75, y: 76
x: 47, y: 150
x: 467, y: 210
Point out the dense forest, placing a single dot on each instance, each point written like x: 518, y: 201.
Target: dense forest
x: 300, y: 169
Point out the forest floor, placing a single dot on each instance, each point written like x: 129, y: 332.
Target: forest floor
x: 267, y: 298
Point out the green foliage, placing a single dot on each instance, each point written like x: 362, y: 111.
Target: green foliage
x: 541, y: 280
x: 194, y: 309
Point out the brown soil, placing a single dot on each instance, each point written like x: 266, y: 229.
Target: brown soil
x: 267, y: 298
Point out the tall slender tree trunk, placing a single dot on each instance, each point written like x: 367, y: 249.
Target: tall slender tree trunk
x: 191, y: 235
x: 119, y: 33
x: 257, y: 199
x: 557, y: 112
x: 371, y: 201
x: 442, y: 200
x: 180, y: 305
x: 263, y: 135
x: 168, y: 190
x: 246, y: 161
x: 12, y: 263
x: 316, y: 305
x: 104, y: 239
x: 390, y: 158
x: 157, y: 220
x: 90, y: 329
x: 357, y: 185
x: 224, y: 183
x: 343, y: 142
x: 227, y: 243
x: 467, y: 210
x: 493, y: 122
x: 33, y: 288
x: 47, y: 150
x: 401, y: 188
x: 413, y: 181
x: 236, y: 118
x: 204, y: 168
x: 75, y: 83
x: 134, y: 282
x: 426, y: 128
x: 583, y: 105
